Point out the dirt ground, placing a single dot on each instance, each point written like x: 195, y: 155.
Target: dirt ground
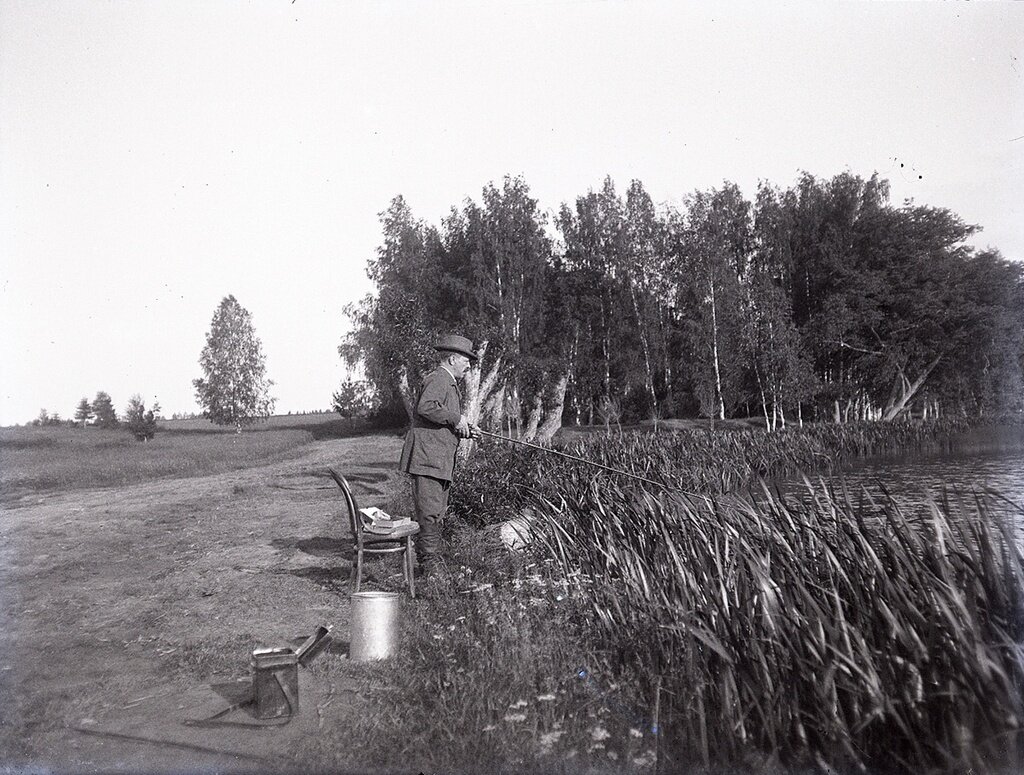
x: 125, y: 612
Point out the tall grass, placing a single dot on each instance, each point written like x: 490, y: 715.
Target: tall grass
x: 500, y: 478
x: 813, y: 631
x: 36, y: 460
x: 826, y: 630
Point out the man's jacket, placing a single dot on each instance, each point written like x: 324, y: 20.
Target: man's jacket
x: 431, y: 442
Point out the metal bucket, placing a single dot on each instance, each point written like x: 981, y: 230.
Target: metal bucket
x: 275, y: 682
x: 374, y: 625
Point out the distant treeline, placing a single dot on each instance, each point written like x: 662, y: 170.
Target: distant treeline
x: 199, y: 415
x: 819, y: 301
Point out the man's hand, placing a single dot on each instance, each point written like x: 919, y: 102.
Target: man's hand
x: 462, y: 430
x: 474, y: 431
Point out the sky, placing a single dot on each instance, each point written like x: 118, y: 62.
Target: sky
x: 158, y: 156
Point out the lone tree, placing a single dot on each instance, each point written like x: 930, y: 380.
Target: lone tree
x: 140, y: 421
x: 355, y: 398
x: 84, y: 412
x: 103, y: 408
x: 235, y: 388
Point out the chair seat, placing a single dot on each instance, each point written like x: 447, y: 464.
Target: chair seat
x: 395, y: 535
x: 364, y: 542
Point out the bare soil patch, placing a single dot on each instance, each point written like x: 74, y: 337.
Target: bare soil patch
x: 125, y: 611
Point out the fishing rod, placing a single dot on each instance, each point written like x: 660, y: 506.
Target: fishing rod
x: 578, y: 459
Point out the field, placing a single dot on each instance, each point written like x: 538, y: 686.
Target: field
x: 45, y: 460
x: 321, y: 425
x: 123, y: 607
x: 131, y: 608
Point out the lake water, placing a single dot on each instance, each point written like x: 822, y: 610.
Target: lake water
x: 987, y: 463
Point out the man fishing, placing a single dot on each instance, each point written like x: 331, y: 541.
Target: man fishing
x: 430, y: 445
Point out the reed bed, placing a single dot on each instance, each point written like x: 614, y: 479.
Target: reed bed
x: 811, y: 632
x: 500, y: 478
x: 819, y: 630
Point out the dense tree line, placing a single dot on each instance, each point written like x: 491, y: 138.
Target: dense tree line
x: 822, y: 301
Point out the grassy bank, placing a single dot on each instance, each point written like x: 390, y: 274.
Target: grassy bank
x: 718, y: 635
x: 40, y: 460
x: 721, y: 633
x: 499, y: 672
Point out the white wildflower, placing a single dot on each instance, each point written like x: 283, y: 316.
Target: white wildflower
x: 545, y: 698
x: 515, y: 717
x: 646, y: 759
x: 490, y: 728
x: 599, y: 733
x: 519, y: 704
x: 548, y: 740
x: 613, y: 756
x: 634, y: 732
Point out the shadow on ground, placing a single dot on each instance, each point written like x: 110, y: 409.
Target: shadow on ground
x: 318, y: 546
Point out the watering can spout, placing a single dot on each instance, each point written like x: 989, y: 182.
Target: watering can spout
x: 314, y: 645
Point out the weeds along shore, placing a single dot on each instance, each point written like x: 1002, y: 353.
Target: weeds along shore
x: 648, y: 631
x: 818, y: 630
x: 500, y: 479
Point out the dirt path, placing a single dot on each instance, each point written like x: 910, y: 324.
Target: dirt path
x: 125, y: 611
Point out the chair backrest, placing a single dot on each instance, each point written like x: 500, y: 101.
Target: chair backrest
x: 354, y: 522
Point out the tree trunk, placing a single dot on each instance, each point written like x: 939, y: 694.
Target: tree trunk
x: 494, y: 408
x: 408, y: 400
x: 898, y: 403
x: 714, y: 352
x: 476, y: 394
x: 553, y: 418
x: 645, y: 346
x: 667, y: 361
x: 533, y: 420
x: 764, y: 399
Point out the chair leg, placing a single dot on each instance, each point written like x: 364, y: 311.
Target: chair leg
x: 359, y: 569
x: 408, y: 566
x: 352, y: 573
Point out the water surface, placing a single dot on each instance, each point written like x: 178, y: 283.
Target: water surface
x: 986, y: 464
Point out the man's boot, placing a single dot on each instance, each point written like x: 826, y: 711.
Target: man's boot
x: 428, y: 548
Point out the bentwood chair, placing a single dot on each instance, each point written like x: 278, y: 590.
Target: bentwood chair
x: 364, y: 542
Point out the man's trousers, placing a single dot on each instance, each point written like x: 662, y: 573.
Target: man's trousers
x: 430, y: 497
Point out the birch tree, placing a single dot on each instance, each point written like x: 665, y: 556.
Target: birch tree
x: 714, y: 242
x: 234, y: 389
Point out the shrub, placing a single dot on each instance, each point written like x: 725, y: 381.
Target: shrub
x: 355, y: 398
x: 141, y: 423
